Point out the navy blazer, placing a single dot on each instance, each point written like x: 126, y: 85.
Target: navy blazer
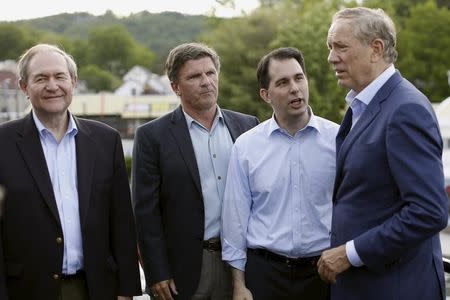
x: 167, y: 198
x: 30, y: 246
x: 389, y: 198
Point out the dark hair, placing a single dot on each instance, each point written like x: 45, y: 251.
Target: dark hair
x: 179, y: 55
x: 262, y: 72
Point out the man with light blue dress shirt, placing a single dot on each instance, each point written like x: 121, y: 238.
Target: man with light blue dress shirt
x: 277, y: 204
x: 180, y: 163
x: 389, y: 200
x: 67, y: 230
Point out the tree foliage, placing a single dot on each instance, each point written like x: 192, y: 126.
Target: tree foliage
x: 111, y: 44
x: 424, y: 47
x: 112, y: 48
x: 98, y: 79
x: 13, y: 40
x: 240, y: 43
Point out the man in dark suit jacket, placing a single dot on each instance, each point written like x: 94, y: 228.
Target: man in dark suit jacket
x: 389, y: 197
x: 67, y: 229
x: 179, y: 169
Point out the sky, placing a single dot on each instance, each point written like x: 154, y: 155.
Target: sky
x: 26, y: 9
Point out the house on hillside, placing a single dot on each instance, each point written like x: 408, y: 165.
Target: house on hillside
x: 140, y: 81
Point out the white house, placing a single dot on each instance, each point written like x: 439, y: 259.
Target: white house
x: 140, y: 81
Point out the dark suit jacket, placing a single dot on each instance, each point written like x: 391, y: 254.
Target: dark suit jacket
x: 389, y: 197
x: 31, y: 223
x: 167, y: 198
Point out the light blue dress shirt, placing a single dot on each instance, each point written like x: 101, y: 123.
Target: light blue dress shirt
x: 358, y: 102
x: 62, y: 167
x: 212, y: 151
x: 279, y: 189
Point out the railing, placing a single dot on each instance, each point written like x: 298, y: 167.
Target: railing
x: 446, y: 262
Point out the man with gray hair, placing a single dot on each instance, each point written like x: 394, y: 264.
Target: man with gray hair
x: 180, y: 164
x: 389, y: 200
x: 67, y: 230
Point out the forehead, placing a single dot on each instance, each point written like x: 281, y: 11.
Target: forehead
x: 47, y: 62
x: 280, y: 68
x: 195, y: 65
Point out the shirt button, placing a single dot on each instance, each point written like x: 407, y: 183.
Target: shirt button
x: 59, y: 240
x: 55, y: 276
x: 214, y: 156
x: 219, y: 177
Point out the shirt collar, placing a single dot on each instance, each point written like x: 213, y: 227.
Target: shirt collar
x: 312, y: 123
x: 190, y: 120
x: 367, y: 94
x: 71, y: 128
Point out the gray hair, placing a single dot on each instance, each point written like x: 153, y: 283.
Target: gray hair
x: 179, y: 55
x: 369, y: 24
x: 25, y: 58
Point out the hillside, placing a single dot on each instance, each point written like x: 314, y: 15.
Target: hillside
x: 158, y: 32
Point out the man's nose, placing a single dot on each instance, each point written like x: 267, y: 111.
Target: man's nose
x: 294, y: 87
x: 332, y: 57
x: 51, y: 84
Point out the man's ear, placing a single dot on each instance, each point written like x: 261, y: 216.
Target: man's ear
x: 175, y: 88
x: 264, y: 94
x: 23, y: 86
x: 377, y: 46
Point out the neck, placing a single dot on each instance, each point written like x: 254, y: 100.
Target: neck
x: 293, y: 125
x: 204, y: 117
x: 57, y: 124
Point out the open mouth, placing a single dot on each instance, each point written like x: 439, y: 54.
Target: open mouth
x: 339, y: 72
x: 296, y: 101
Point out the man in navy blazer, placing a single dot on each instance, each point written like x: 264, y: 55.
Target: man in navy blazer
x: 180, y: 163
x: 389, y: 201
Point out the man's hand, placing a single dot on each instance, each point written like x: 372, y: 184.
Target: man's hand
x: 333, y: 262
x: 163, y: 290
x: 240, y: 291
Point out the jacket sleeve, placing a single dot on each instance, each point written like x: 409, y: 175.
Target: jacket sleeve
x: 123, y: 234
x: 146, y: 180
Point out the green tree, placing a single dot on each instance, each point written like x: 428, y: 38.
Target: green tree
x: 14, y: 40
x: 240, y: 43
x: 113, y: 48
x: 423, y: 46
x: 97, y: 79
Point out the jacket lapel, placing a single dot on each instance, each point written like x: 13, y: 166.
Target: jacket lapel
x: 365, y: 120
x: 234, y: 127
x: 182, y: 137
x: 31, y: 150
x: 85, y: 151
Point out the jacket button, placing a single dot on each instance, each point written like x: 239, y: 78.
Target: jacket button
x: 59, y: 240
x: 55, y: 276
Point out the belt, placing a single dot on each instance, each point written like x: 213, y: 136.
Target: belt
x: 297, y: 262
x: 212, y: 245
x: 79, y: 275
